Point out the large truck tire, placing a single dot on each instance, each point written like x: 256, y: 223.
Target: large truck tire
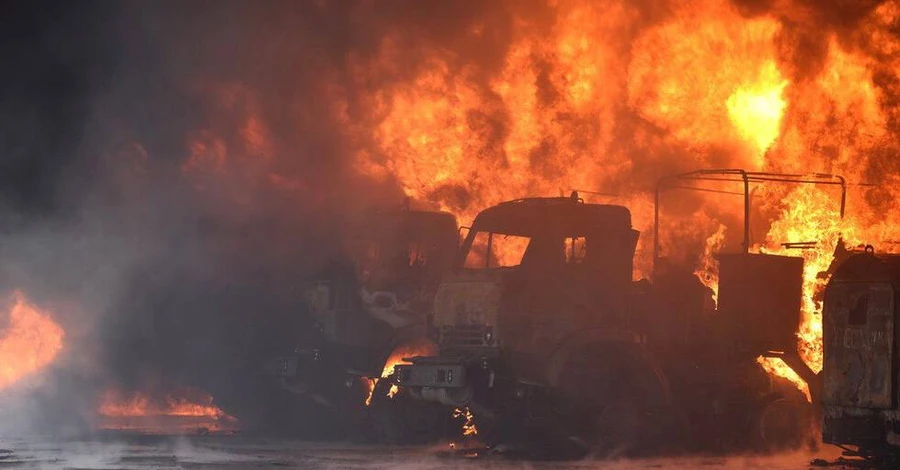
x: 620, y: 401
x: 403, y: 420
x: 783, y: 423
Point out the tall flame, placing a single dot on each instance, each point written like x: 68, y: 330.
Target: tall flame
x: 708, y: 267
x: 611, y: 96
x: 711, y: 86
x: 29, y: 342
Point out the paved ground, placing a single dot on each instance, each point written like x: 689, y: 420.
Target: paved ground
x: 117, y: 450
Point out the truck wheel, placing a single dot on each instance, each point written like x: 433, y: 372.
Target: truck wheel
x: 403, y: 420
x: 781, y: 425
x: 617, y: 429
x: 618, y: 400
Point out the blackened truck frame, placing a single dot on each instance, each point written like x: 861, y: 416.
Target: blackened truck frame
x: 792, y: 359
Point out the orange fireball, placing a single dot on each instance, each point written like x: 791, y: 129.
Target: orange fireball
x: 28, y: 343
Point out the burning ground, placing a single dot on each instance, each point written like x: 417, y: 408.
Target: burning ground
x: 174, y: 171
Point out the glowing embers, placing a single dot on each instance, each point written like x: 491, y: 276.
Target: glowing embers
x: 468, y: 427
x: 29, y: 341
x: 181, y: 411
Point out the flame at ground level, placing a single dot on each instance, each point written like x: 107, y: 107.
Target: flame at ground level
x: 30, y: 341
x: 139, y: 411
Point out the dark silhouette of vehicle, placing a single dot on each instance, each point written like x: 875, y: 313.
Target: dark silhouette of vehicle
x: 543, y: 335
x: 363, y: 307
x: 860, y: 374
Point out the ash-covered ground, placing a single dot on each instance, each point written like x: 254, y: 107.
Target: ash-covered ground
x: 118, y: 450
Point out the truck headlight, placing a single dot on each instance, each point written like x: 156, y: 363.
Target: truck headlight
x: 489, y: 336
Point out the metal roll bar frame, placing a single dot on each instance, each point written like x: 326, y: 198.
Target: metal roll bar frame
x: 738, y: 176
x: 790, y: 357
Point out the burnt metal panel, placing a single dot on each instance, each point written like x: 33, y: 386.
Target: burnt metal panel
x: 854, y: 430
x: 467, y: 299
x: 561, y: 216
x: 759, y: 299
x: 859, y: 342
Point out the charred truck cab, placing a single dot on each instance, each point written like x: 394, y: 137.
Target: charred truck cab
x: 533, y: 328
x: 861, y: 394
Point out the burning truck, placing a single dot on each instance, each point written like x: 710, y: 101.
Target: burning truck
x: 543, y: 335
x: 534, y: 321
x: 711, y: 352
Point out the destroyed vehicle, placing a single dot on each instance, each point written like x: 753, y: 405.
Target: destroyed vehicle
x: 710, y: 356
x: 861, y: 382
x: 725, y: 400
x: 533, y: 330
x: 365, y: 305
x: 545, y: 338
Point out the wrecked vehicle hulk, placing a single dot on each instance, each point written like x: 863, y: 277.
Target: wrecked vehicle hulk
x: 860, y: 373
x: 534, y: 329
x: 725, y: 400
x: 364, y: 306
x: 545, y: 338
x: 710, y: 353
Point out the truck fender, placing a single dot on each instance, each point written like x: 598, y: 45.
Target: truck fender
x: 408, y: 342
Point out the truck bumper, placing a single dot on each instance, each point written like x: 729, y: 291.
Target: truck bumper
x: 431, y: 380
x: 432, y: 375
x: 861, y: 427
